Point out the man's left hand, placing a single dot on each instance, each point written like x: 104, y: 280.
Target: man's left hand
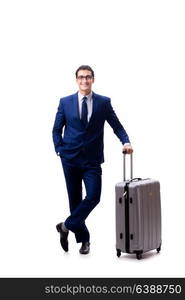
x: 127, y: 148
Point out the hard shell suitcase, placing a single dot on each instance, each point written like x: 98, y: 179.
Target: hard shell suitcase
x: 138, y: 214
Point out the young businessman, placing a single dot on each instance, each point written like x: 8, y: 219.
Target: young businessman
x: 80, y: 147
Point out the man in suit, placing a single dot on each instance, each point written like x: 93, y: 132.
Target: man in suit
x: 80, y: 147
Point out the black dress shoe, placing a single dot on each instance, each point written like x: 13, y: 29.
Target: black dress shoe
x: 85, y: 248
x: 63, y: 237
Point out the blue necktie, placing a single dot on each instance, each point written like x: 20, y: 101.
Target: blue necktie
x: 84, y: 111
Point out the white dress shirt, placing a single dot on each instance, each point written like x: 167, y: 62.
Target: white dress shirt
x: 89, y: 104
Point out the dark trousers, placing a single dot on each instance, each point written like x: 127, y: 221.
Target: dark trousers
x: 75, y: 172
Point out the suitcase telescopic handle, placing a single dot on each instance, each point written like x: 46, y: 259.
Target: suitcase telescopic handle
x: 124, y: 166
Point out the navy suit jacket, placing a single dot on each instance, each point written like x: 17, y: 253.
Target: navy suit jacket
x: 76, y: 136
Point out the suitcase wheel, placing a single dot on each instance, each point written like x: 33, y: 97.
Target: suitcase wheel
x: 118, y: 252
x: 138, y: 255
x: 158, y: 249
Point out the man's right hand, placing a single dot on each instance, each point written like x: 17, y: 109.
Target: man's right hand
x: 127, y: 148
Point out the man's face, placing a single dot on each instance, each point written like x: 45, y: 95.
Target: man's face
x: 84, y: 81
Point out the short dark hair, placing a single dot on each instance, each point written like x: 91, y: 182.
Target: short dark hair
x: 85, y: 67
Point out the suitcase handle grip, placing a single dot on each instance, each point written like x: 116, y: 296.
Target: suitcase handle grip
x: 124, y: 166
x: 136, y: 179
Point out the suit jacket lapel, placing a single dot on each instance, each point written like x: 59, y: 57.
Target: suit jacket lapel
x: 76, y: 106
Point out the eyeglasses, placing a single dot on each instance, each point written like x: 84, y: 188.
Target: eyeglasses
x: 88, y: 77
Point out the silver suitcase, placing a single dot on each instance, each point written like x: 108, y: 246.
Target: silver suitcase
x: 138, y: 214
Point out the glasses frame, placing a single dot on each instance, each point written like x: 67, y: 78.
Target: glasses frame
x: 87, y: 77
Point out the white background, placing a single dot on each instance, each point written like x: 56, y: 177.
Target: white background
x: 137, y: 50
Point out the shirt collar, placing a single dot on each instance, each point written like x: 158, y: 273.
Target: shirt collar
x: 89, y: 96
